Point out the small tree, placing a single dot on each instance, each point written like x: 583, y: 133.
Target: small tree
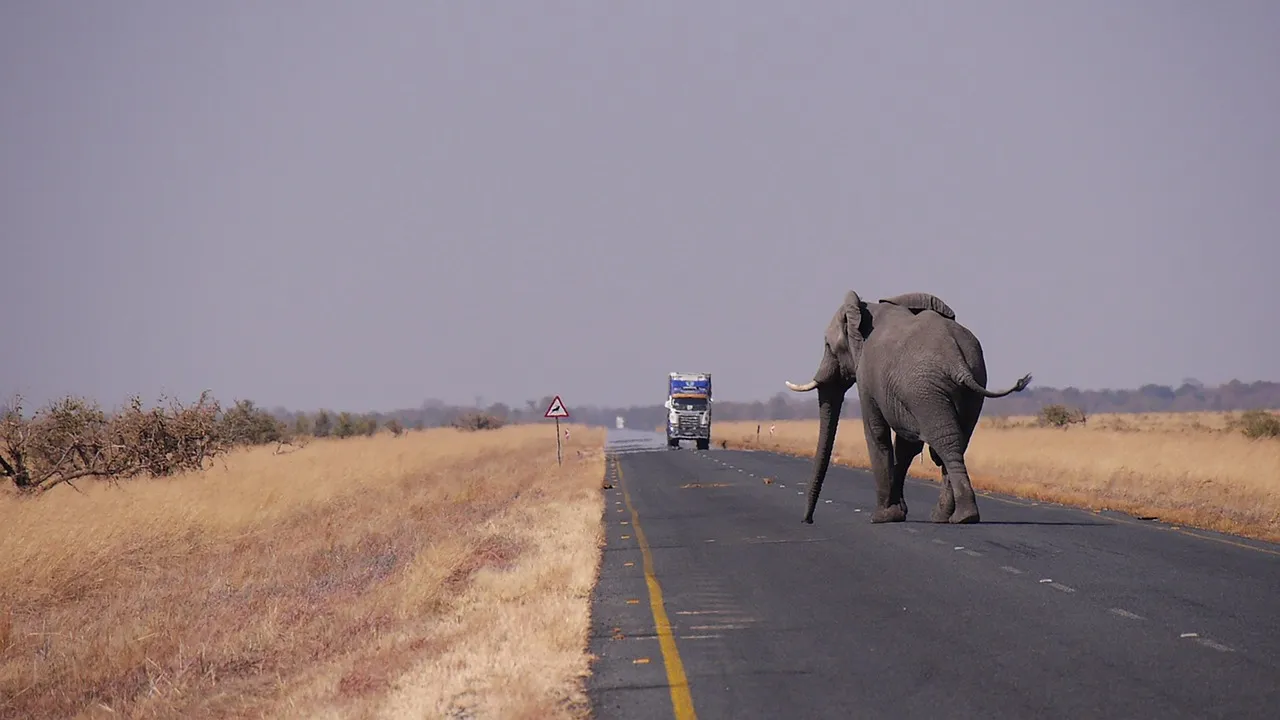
x: 323, y: 426
x: 1058, y: 415
x: 245, y: 424
x: 395, y: 427
x: 346, y: 425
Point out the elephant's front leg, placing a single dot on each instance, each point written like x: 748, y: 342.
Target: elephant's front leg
x: 946, y: 496
x: 880, y: 448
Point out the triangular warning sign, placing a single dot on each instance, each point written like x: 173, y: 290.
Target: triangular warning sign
x: 556, y: 409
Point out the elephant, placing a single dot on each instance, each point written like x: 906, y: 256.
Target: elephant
x: 921, y: 375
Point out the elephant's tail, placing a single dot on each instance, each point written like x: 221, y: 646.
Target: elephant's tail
x: 966, y: 379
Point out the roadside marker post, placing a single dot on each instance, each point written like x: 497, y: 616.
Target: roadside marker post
x: 557, y: 410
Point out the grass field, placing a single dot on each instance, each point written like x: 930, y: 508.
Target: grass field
x: 420, y: 576
x: 1184, y: 468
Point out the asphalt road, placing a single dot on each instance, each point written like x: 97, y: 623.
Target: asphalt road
x: 1040, y: 611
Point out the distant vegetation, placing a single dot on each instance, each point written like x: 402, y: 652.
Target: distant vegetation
x: 73, y: 438
x: 1074, y: 404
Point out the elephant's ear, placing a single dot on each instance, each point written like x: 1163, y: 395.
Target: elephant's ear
x: 844, y: 339
x: 918, y: 302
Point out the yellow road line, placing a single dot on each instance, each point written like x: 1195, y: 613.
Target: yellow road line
x: 681, y: 699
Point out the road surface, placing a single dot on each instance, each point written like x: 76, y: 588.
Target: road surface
x: 1040, y: 611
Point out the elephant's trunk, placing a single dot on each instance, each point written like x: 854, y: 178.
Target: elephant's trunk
x: 830, y: 399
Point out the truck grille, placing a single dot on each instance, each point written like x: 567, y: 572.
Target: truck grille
x: 688, y: 423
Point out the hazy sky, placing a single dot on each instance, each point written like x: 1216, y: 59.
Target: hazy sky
x: 362, y: 205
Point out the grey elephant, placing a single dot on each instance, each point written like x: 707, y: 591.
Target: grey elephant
x: 921, y: 375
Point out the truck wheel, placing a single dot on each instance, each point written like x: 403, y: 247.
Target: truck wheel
x: 673, y: 443
x: 704, y: 444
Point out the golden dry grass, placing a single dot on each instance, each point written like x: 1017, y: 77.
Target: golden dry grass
x: 1179, y: 467
x: 365, y: 577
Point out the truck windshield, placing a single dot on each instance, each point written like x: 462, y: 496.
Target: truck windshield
x: 689, y: 403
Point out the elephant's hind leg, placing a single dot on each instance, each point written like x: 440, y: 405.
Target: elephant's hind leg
x: 957, y: 477
x: 946, y: 496
x: 966, y: 500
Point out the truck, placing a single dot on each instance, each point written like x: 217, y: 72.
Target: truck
x: 688, y: 409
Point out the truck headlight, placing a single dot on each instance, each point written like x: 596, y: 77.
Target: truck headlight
x: 673, y: 418
x: 703, y: 419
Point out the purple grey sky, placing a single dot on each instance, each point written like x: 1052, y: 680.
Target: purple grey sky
x: 362, y: 205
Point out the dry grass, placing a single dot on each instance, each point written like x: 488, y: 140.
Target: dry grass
x: 1179, y: 467
x: 364, y: 577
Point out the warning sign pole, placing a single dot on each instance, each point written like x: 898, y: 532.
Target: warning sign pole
x: 557, y: 410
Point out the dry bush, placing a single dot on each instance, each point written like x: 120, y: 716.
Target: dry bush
x: 477, y: 421
x: 366, y: 576
x: 1194, y: 470
x: 73, y: 438
x: 1057, y: 415
x: 245, y: 424
x: 1256, y: 424
x: 394, y: 427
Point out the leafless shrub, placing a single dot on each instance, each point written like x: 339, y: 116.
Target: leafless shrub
x: 73, y: 438
x: 477, y: 420
x: 1058, y: 415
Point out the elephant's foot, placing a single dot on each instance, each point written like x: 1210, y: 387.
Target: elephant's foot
x: 966, y: 516
x: 807, y: 520
x: 942, y: 513
x: 893, y: 513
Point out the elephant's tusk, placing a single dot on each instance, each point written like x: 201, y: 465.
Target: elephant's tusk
x: 803, y: 388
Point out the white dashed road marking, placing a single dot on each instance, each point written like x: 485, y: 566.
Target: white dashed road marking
x: 1011, y: 569
x: 1214, y: 645
x: 1125, y: 613
x: 1063, y: 588
x: 702, y: 612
